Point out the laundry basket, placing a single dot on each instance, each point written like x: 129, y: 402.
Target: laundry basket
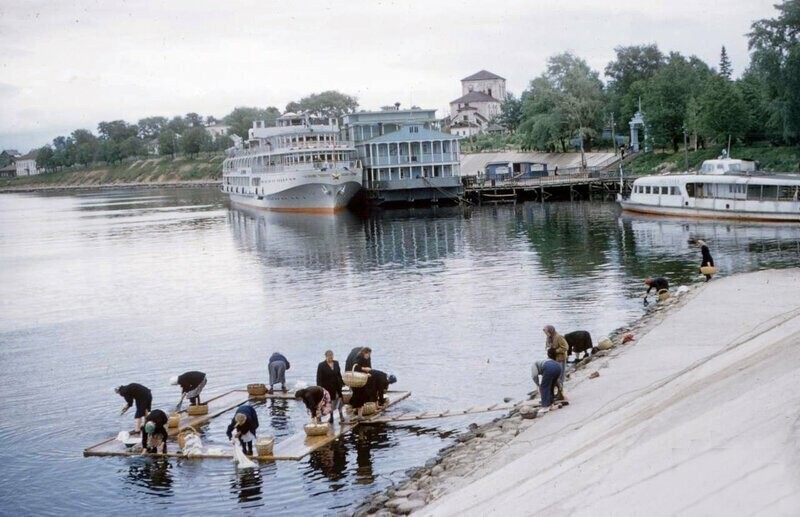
x: 317, y: 429
x: 256, y: 390
x: 198, y: 410
x: 174, y: 420
x: 264, y: 445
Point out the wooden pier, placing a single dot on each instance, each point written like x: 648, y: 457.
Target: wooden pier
x: 571, y: 186
x: 294, y: 447
x: 431, y: 415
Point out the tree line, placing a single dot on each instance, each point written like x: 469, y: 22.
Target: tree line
x: 680, y: 97
x: 118, y: 140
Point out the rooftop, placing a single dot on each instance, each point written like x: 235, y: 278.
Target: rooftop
x: 483, y: 75
x: 475, y: 97
x: 410, y: 132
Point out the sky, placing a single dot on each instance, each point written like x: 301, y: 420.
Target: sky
x: 71, y: 64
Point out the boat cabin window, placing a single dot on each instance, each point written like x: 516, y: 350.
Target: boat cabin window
x: 788, y: 193
x: 769, y: 192
x: 664, y: 190
x: 673, y: 191
x: 753, y: 191
x: 647, y: 189
x: 690, y: 189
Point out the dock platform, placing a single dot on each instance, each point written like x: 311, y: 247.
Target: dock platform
x: 294, y: 447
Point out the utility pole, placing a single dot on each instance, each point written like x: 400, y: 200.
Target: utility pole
x: 685, y: 149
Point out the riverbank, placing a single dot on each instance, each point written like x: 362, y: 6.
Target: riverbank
x: 668, y: 423
x: 203, y: 169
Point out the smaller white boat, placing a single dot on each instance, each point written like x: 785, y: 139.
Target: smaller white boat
x: 724, y: 188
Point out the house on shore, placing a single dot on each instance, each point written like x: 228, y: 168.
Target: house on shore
x: 405, y: 158
x: 482, y: 95
x: 26, y: 165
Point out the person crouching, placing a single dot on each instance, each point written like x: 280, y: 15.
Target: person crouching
x: 317, y: 401
x: 243, y: 427
x: 192, y: 384
x: 551, y: 375
x: 155, y: 432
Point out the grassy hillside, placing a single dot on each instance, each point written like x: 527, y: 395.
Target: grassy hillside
x: 772, y: 159
x: 204, y: 167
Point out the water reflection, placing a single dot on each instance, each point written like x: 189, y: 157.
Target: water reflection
x: 153, y: 474
x: 331, y: 462
x: 247, y: 485
x: 278, y: 414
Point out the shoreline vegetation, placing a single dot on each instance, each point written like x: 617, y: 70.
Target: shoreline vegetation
x: 205, y: 169
x: 637, y: 431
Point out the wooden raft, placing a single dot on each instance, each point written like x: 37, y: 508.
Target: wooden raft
x: 216, y: 406
x: 295, y: 447
x: 429, y: 415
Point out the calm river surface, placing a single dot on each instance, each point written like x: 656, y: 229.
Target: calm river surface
x: 104, y: 288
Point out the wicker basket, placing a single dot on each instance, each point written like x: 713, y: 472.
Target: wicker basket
x: 264, y: 445
x: 370, y: 408
x: 346, y: 396
x: 256, y: 390
x: 708, y: 270
x: 355, y: 379
x: 317, y: 429
x: 174, y: 420
x: 663, y: 295
x: 202, y: 409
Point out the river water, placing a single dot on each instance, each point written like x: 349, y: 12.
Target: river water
x: 105, y: 288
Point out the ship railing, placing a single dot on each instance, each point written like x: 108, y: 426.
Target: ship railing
x: 299, y: 167
x: 419, y: 159
x: 322, y: 146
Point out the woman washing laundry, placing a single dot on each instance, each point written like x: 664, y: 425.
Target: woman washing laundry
x: 317, y: 401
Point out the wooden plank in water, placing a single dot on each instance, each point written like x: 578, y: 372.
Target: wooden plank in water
x: 408, y: 417
x: 216, y: 406
x: 298, y: 446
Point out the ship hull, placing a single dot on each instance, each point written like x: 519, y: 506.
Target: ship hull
x: 316, y: 197
x: 708, y: 214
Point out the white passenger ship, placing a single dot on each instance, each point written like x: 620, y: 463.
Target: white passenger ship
x: 724, y: 188
x: 299, y: 165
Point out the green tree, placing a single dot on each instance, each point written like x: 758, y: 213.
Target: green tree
x: 86, y: 146
x: 725, y: 68
x: 222, y: 143
x: 193, y: 140
x: 775, y: 56
x: 241, y: 118
x: 151, y: 127
x: 510, y: 112
x: 326, y: 104
x: 109, y: 151
x: 667, y: 94
x: 130, y: 147
x: 177, y: 125
x: 193, y: 120
x: 632, y: 66
x: 167, y: 143
x: 117, y: 130
x: 44, y: 158
x: 723, y: 112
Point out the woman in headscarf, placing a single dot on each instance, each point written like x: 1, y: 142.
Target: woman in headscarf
x: 557, y: 342
x: 243, y: 426
x: 317, y: 401
x: 362, y: 363
x: 155, y: 432
x: 707, y: 259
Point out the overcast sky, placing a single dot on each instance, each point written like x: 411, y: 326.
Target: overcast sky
x: 71, y: 64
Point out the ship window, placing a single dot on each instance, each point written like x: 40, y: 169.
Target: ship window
x: 647, y: 189
x: 665, y: 190
x: 673, y: 191
x: 769, y: 192
x: 690, y: 189
x: 787, y: 193
x: 754, y: 192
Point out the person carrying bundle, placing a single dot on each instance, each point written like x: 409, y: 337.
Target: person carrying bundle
x: 707, y: 260
x: 362, y: 362
x: 134, y: 392
x: 317, y: 401
x: 243, y: 427
x: 191, y: 383
x: 155, y: 432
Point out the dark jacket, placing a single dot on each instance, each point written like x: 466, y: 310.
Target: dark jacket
x: 190, y: 380
x: 658, y: 284
x: 279, y: 357
x: 311, y: 397
x: 249, y: 426
x: 330, y: 378
x: 372, y: 391
x: 136, y: 392
x: 159, y: 418
x: 707, y: 260
x: 351, y: 359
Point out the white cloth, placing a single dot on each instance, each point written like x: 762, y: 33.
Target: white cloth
x: 247, y: 437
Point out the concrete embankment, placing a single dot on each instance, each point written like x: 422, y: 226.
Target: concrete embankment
x: 699, y: 416
x: 107, y: 186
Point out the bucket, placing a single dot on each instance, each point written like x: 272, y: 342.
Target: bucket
x: 317, y: 429
x: 197, y: 410
x: 264, y: 445
x: 605, y: 344
x: 708, y: 270
x: 256, y: 390
x: 347, y: 394
x: 370, y: 408
x: 663, y: 295
x: 174, y: 420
